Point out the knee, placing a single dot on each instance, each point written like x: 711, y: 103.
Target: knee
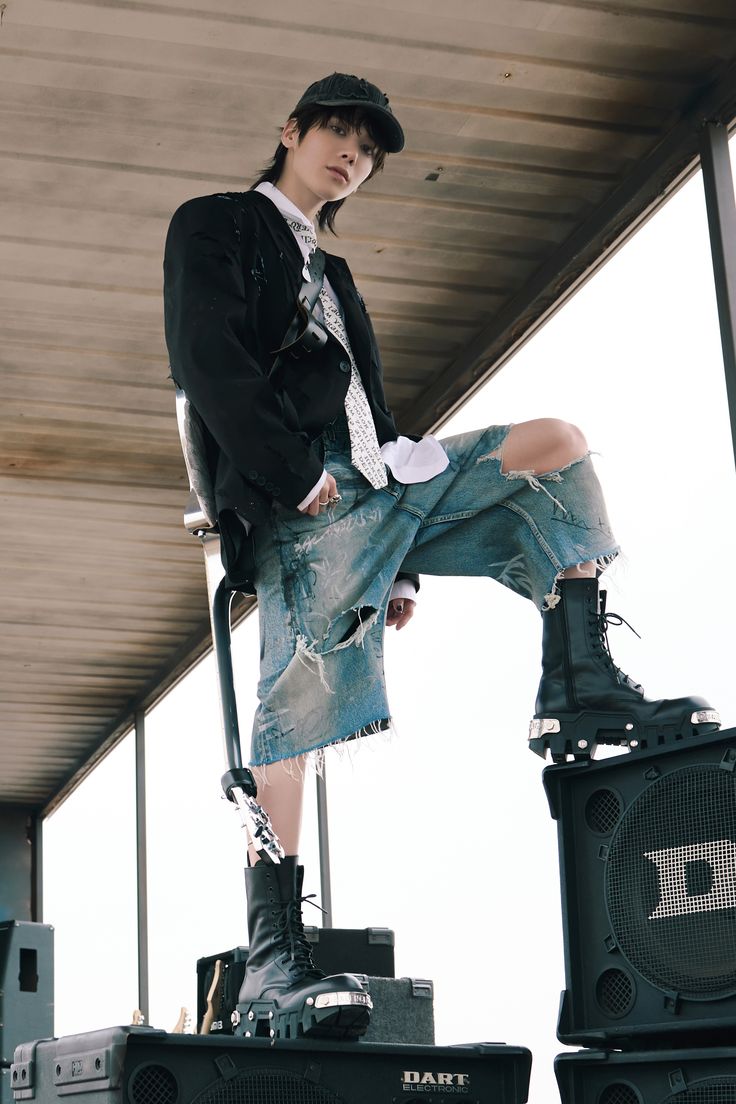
x: 566, y: 439
x: 543, y: 444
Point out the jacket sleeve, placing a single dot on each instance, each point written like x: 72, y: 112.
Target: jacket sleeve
x: 211, y: 333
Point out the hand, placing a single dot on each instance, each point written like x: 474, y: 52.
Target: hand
x: 400, y: 612
x: 327, y: 491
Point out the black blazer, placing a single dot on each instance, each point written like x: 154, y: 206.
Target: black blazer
x: 232, y: 273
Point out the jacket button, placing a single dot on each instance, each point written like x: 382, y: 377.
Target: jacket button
x: 253, y: 474
x: 261, y: 480
x: 276, y: 491
x: 269, y: 487
x: 344, y: 365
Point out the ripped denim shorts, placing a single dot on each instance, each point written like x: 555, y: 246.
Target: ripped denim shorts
x: 324, y: 582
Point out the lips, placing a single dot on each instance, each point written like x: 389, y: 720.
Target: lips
x: 340, y: 171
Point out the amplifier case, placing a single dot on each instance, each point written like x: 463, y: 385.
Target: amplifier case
x: 403, y: 1010
x: 233, y: 966
x: 367, y: 951
x: 129, y: 1065
x: 696, y: 1076
x: 26, y: 984
x: 647, y: 844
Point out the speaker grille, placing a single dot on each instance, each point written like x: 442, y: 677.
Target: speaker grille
x: 603, y: 811
x: 266, y: 1086
x: 670, y: 882
x: 615, y: 992
x: 619, y: 1094
x: 153, y: 1084
x: 716, y: 1090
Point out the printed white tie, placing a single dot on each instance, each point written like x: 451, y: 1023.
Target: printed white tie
x: 365, y: 451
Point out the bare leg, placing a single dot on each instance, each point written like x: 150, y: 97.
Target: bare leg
x: 281, y: 794
x: 544, y: 445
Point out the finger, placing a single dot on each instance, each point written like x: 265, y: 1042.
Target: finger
x: 407, y: 614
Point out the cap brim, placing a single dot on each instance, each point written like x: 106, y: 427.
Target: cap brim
x: 388, y: 123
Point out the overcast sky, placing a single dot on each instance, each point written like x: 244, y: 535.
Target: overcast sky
x: 442, y: 832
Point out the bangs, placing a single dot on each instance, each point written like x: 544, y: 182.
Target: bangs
x: 354, y: 118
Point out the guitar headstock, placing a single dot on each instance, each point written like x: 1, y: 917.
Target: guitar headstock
x: 182, y: 1025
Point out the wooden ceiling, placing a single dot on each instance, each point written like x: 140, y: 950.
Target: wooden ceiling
x: 538, y: 134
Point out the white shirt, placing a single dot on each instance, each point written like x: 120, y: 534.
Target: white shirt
x: 410, y: 461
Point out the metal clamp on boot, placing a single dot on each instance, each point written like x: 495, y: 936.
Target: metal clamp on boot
x: 585, y: 700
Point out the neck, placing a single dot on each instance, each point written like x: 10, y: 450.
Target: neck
x: 301, y: 196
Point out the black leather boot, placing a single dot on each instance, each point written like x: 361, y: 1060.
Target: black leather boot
x: 284, y: 995
x: 583, y: 697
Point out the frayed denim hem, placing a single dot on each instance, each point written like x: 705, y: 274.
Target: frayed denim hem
x: 298, y: 764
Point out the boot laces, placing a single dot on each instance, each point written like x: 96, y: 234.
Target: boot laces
x: 601, y: 623
x: 291, y: 937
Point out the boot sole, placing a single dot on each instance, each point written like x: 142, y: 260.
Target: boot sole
x: 342, y: 1016
x: 575, y: 735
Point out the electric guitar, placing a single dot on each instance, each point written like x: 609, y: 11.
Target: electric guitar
x: 214, y: 998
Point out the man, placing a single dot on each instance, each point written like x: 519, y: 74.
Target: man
x: 331, y: 513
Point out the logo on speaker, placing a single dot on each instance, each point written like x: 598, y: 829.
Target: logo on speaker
x: 425, y: 1082
x: 698, y: 878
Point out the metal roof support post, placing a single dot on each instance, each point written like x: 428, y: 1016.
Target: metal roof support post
x: 719, y: 199
x: 325, y: 880
x: 142, y: 861
x: 36, y: 834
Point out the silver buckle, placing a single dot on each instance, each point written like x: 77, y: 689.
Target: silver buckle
x: 336, y: 1000
x: 705, y: 716
x: 540, y: 726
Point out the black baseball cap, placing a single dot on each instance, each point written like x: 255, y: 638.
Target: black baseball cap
x: 344, y: 90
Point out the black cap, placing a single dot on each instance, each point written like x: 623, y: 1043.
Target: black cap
x: 343, y: 90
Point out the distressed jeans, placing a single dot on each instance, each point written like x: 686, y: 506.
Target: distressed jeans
x: 324, y: 582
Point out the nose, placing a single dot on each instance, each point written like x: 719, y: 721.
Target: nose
x: 351, y: 148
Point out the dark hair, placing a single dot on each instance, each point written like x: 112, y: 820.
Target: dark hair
x: 318, y: 116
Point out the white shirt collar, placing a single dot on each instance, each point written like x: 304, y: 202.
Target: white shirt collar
x: 287, y: 208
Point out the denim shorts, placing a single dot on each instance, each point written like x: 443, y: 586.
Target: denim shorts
x: 324, y: 582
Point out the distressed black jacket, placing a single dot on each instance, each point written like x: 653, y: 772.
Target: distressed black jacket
x: 232, y: 272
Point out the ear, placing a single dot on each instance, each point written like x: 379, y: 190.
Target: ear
x: 290, y: 134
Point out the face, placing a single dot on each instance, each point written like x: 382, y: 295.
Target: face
x: 327, y: 163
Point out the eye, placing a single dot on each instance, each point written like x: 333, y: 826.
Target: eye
x: 338, y: 129
x: 370, y: 151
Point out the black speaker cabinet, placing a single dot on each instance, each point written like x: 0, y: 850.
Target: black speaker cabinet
x: 124, y: 1065
x: 647, y: 844
x: 26, y: 984
x: 706, y: 1076
x: 367, y: 951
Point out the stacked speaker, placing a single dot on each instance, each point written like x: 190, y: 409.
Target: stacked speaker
x: 26, y: 990
x: 647, y: 844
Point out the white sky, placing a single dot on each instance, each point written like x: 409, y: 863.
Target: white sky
x: 443, y: 832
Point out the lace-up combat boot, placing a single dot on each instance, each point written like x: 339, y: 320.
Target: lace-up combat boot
x: 584, y: 699
x: 284, y: 995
